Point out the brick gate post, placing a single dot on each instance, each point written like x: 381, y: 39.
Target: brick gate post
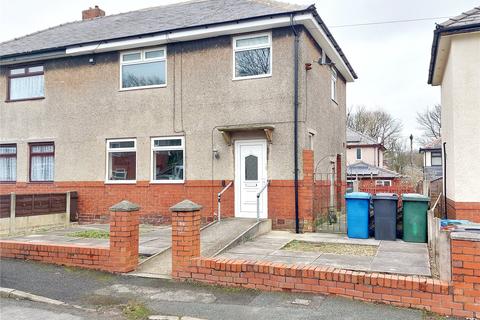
x: 185, y: 235
x: 124, y: 233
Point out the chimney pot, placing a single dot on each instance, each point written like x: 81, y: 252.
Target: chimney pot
x: 91, y: 13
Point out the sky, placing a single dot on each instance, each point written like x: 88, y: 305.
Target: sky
x: 391, y: 59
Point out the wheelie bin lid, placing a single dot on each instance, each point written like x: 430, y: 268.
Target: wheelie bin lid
x: 385, y: 196
x: 415, y: 197
x: 358, y: 195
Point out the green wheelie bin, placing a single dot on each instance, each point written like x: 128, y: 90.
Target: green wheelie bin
x: 415, y: 207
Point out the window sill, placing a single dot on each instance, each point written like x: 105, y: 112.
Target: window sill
x: 121, y: 182
x: 252, y: 77
x: 142, y: 88
x: 40, y: 182
x: 167, y: 181
x: 26, y: 99
x: 8, y: 182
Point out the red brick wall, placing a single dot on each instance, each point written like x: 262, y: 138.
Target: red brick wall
x: 466, y: 276
x: 122, y: 256
x: 459, y: 298
x: 463, y: 210
x: 398, y: 187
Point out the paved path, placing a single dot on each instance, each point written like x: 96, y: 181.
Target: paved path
x: 391, y: 256
x: 153, y: 239
x: 101, y: 290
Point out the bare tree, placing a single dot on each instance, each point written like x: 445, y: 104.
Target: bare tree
x: 377, y: 124
x: 429, y: 122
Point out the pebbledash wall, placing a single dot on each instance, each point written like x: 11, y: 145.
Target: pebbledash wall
x: 461, y: 297
x: 94, y: 198
x: 85, y: 99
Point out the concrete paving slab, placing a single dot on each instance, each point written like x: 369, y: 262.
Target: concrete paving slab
x: 290, y: 260
x: 292, y: 253
x: 362, y: 263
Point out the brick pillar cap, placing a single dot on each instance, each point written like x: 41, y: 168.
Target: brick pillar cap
x: 186, y: 206
x: 125, y: 206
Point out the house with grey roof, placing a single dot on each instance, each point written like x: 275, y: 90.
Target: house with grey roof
x: 455, y: 66
x: 177, y: 101
x: 432, y: 160
x: 365, y: 162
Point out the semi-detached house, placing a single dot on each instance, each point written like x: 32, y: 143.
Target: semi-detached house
x: 175, y: 102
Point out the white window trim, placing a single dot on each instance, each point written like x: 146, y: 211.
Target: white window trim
x: 261, y: 46
x: 140, y: 61
x: 108, y: 150
x: 333, y: 83
x: 166, y: 148
x: 382, y: 184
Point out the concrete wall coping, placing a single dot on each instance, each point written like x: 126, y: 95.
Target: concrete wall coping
x: 186, y: 206
x: 125, y: 206
x: 471, y: 236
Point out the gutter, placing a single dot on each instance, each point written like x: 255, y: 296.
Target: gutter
x: 295, y: 117
x: 437, y: 33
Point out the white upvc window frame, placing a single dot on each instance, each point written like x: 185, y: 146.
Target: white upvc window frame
x: 166, y: 148
x: 333, y: 84
x: 260, y: 46
x: 143, y: 60
x: 381, y: 183
x: 110, y: 150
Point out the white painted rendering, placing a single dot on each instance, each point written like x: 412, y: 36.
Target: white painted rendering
x: 246, y: 189
x: 458, y: 73
x: 370, y: 155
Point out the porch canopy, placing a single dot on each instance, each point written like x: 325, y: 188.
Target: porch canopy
x: 228, y: 130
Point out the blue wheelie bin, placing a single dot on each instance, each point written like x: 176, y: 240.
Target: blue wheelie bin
x: 358, y: 214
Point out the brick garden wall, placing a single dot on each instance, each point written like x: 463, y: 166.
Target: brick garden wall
x: 121, y: 256
x: 461, y: 297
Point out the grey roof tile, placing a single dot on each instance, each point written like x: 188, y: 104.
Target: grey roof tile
x: 467, y: 18
x: 361, y: 168
x: 355, y: 137
x: 145, y: 21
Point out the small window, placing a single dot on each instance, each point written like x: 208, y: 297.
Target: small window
x: 168, y: 160
x: 8, y: 162
x: 334, y: 85
x: 436, y: 158
x: 252, y: 56
x: 143, y: 69
x: 121, y: 160
x: 359, y: 154
x: 26, y: 83
x: 383, y: 183
x: 42, y: 162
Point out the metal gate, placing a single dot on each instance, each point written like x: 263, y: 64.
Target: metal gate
x: 329, y: 204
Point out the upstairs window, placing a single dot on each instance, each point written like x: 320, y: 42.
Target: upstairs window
x: 333, y: 84
x: 8, y: 162
x: 143, y: 69
x: 121, y: 161
x: 436, y: 158
x: 252, y: 56
x: 42, y: 162
x: 167, y: 160
x: 26, y: 83
x: 359, y: 154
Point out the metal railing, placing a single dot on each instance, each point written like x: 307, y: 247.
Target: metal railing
x: 258, y: 199
x: 219, y: 200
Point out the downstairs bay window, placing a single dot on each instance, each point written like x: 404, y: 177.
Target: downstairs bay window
x: 168, y: 160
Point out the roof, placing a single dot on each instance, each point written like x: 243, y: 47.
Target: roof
x: 361, y: 168
x: 432, y: 145
x: 468, y: 21
x: 358, y: 138
x: 155, y: 20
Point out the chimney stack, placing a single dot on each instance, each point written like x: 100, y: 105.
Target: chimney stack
x: 91, y: 13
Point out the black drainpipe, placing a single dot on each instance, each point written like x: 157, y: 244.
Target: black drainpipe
x: 295, y: 121
x: 445, y: 216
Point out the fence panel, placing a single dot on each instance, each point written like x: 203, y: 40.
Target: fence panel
x: 4, y: 206
x: 40, y: 204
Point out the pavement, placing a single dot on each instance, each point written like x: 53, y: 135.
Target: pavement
x: 108, y: 295
x: 397, y: 257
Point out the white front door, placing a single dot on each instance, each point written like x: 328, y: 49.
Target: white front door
x: 250, y: 177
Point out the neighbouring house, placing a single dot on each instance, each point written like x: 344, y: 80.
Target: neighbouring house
x: 455, y: 66
x: 432, y: 160
x: 175, y: 102
x: 365, y: 164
